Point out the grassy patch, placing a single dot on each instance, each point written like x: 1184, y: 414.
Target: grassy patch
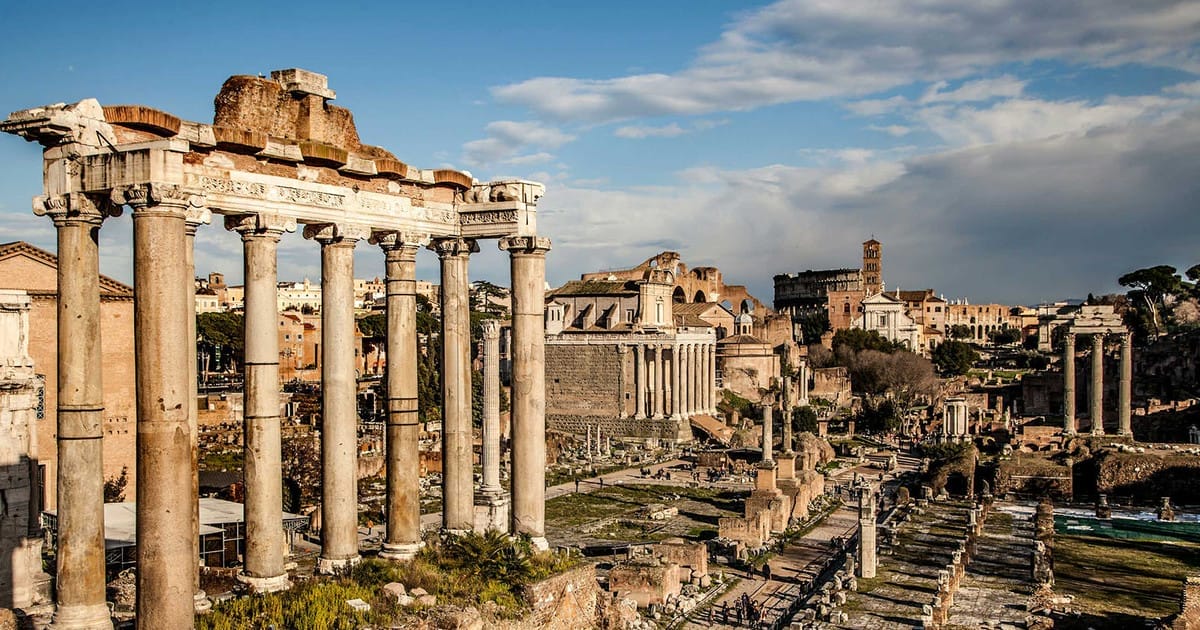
x: 463, y: 571
x: 1123, y: 577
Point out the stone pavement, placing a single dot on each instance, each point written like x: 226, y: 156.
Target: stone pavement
x: 907, y: 578
x: 997, y: 582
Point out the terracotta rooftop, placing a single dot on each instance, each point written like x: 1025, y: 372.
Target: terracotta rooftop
x: 108, y: 286
x: 596, y: 287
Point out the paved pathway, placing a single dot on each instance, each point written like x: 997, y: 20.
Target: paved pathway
x: 997, y: 583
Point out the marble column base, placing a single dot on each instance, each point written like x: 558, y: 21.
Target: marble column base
x: 540, y: 543
x: 331, y: 566
x: 401, y: 551
x: 492, y: 511
x: 201, y: 604
x: 266, y: 584
x: 95, y: 617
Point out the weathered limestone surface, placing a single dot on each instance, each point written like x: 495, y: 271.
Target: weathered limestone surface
x: 339, y: 413
x: 165, y: 580
x: 403, y: 426
x: 263, y: 566
x: 457, y: 475
x: 491, y: 504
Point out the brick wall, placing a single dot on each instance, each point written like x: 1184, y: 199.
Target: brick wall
x: 583, y: 380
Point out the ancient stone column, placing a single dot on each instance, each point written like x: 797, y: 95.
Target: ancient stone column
x: 659, y: 382
x: 339, y: 412
x: 491, y: 504
x: 458, y: 479
x: 685, y: 382
x: 804, y: 383
x: 639, y: 382
x: 528, y: 258
x: 866, y: 533
x: 768, y: 434
x: 491, y: 405
x: 1097, y: 389
x: 788, y: 440
x: 1068, y: 362
x: 195, y: 218
x: 676, y: 384
x: 403, y: 537
x: 262, y: 568
x: 711, y: 378
x: 81, y: 587
x: 165, y: 579
x: 697, y: 379
x: 1125, y: 393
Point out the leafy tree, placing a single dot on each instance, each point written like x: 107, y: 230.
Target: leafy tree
x: 812, y: 326
x: 482, y: 293
x: 221, y: 336
x: 301, y: 459
x: 878, y: 416
x: 114, y: 487
x: 1005, y: 336
x: 960, y: 331
x: 857, y: 340
x: 374, y: 325
x: 804, y: 419
x: 1149, y: 286
x: 954, y: 357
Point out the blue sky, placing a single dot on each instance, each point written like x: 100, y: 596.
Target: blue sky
x: 1012, y: 151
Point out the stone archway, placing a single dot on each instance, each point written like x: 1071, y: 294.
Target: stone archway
x: 679, y: 296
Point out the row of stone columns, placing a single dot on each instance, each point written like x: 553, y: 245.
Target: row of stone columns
x: 677, y: 385
x: 165, y: 219
x: 1096, y: 389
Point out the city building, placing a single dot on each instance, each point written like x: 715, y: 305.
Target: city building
x: 35, y: 271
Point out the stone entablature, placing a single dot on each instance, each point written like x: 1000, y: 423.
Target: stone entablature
x: 277, y: 156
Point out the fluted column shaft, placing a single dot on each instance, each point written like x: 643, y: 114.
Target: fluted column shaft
x: 457, y: 465
x: 639, y: 383
x: 528, y: 269
x: 339, y: 413
x: 1068, y: 362
x: 263, y: 564
x: 80, y: 472
x: 768, y: 435
x: 676, y: 384
x: 711, y: 378
x: 165, y: 581
x: 403, y: 538
x: 1097, y: 389
x: 693, y: 377
x: 1125, y: 394
x: 491, y: 406
x: 659, y: 383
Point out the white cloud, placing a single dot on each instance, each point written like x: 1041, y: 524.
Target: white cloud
x: 507, y: 138
x: 892, y: 130
x: 973, y: 91
x: 807, y: 50
x: 1191, y: 89
x: 639, y: 132
x: 1062, y: 215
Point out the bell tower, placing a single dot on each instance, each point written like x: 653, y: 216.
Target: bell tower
x: 872, y: 268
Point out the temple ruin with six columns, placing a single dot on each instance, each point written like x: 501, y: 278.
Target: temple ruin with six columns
x: 277, y: 157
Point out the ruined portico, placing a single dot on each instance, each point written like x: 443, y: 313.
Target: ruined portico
x: 277, y: 154
x: 1098, y: 321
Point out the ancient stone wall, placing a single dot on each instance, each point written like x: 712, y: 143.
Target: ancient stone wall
x: 564, y: 601
x: 1149, y: 475
x: 646, y: 580
x: 831, y: 384
x: 1189, y: 614
x: 1034, y: 476
x: 692, y: 556
x: 583, y: 380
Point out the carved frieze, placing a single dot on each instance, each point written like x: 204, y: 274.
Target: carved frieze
x: 487, y: 217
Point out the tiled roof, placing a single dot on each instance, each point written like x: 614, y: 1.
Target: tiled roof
x: 596, y: 287
x: 108, y: 286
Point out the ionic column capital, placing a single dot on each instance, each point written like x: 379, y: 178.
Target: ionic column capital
x: 74, y: 208
x: 404, y: 243
x: 336, y: 234
x: 529, y: 245
x: 491, y: 328
x: 448, y: 247
x: 154, y: 196
x: 193, y: 218
x: 260, y: 224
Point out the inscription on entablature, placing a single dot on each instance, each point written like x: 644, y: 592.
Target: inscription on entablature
x: 233, y: 187
x: 490, y: 216
x: 311, y: 197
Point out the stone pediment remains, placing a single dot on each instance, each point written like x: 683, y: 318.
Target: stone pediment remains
x: 275, y: 145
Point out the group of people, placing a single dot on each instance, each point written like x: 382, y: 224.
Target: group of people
x: 744, y: 612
